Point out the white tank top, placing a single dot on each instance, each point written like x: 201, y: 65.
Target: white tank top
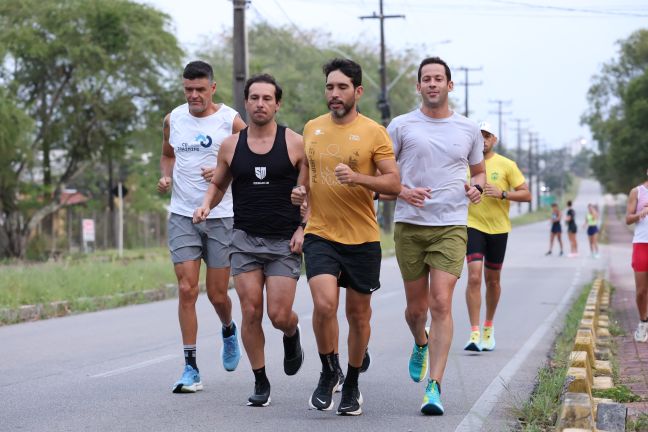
x: 641, y: 227
x: 196, y: 142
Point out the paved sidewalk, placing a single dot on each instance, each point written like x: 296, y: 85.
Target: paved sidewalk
x: 632, y: 356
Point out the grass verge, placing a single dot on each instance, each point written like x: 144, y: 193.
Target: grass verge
x: 79, y: 277
x: 541, y: 411
x: 543, y: 213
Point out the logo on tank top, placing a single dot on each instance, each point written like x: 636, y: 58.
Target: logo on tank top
x: 260, y: 173
x: 204, y: 140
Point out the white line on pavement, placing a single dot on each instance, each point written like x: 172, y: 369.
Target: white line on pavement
x: 135, y: 366
x: 486, y: 402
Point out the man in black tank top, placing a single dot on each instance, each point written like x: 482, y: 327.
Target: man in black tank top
x: 263, y: 163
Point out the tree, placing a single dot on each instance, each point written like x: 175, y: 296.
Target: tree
x: 618, y: 116
x: 295, y: 59
x: 89, y: 73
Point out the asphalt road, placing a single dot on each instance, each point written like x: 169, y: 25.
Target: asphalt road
x: 113, y: 370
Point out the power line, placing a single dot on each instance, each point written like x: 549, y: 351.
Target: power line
x: 569, y: 9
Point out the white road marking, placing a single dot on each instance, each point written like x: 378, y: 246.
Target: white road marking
x: 486, y: 402
x: 135, y: 366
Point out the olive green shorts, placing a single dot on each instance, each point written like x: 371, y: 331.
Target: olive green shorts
x: 420, y: 248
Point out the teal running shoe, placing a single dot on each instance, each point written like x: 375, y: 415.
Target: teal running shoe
x: 230, y: 351
x: 432, y: 399
x: 189, y: 382
x: 418, y: 363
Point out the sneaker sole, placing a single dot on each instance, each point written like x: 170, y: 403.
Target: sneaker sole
x: 187, y: 389
x: 472, y: 346
x: 265, y: 404
x: 489, y: 349
x: 330, y: 407
x: 432, y: 410
x: 353, y: 413
x: 364, y: 367
x: 301, y: 363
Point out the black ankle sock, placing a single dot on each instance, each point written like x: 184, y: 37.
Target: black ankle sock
x: 260, y: 375
x: 228, y: 330
x: 190, y: 356
x: 337, y: 362
x: 352, y: 376
x: 645, y: 321
x: 328, y: 362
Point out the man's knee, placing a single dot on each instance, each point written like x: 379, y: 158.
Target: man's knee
x: 252, y: 312
x: 440, y: 304
x: 188, y: 291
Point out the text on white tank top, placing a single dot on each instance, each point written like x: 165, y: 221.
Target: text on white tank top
x: 641, y: 227
x: 196, y: 142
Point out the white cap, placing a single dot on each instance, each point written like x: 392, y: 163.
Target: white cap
x: 486, y: 126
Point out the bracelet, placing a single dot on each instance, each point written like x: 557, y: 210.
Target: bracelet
x: 479, y: 188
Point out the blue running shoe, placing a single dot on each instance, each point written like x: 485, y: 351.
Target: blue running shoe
x: 418, y: 362
x: 189, y: 382
x: 230, y: 351
x: 432, y: 399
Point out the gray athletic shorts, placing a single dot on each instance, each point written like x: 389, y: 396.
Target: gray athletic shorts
x: 209, y: 240
x: 272, y: 255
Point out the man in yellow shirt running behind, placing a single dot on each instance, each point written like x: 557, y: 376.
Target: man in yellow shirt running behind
x: 488, y: 228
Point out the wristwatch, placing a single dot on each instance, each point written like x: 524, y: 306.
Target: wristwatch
x: 504, y: 195
x: 479, y: 188
x: 302, y: 224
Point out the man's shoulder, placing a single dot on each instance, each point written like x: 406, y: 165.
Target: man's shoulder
x: 180, y: 110
x: 405, y: 118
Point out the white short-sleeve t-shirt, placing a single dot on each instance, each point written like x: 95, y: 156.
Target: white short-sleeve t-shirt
x: 435, y: 153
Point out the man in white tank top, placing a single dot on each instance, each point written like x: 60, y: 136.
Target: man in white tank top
x: 192, y: 135
x: 637, y: 213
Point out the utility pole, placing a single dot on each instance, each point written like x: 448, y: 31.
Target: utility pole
x: 537, y: 169
x: 240, y: 56
x: 531, y: 170
x: 467, y: 84
x: 500, y: 113
x: 383, y: 103
x: 519, y: 130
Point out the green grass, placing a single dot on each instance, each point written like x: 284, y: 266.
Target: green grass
x: 620, y: 393
x: 103, y: 273
x: 97, y: 275
x: 540, y: 412
x: 638, y: 424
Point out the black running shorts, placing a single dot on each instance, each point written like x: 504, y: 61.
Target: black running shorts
x: 355, y: 266
x: 489, y: 248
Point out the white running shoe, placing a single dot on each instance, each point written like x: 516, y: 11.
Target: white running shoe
x: 641, y: 334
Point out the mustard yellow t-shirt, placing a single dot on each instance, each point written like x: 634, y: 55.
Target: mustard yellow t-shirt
x: 491, y: 215
x: 343, y: 213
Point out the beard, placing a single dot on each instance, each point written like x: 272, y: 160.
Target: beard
x: 341, y: 112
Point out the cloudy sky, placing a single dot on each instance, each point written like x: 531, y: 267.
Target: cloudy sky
x: 538, y: 54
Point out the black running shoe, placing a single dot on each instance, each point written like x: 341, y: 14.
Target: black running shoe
x: 366, y: 361
x: 322, y: 398
x: 351, y: 402
x: 293, y: 353
x: 261, y: 395
x: 340, y: 379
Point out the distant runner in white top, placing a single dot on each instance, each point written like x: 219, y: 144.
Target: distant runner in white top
x: 192, y: 135
x: 637, y: 213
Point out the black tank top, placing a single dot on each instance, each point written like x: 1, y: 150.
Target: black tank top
x: 261, y: 187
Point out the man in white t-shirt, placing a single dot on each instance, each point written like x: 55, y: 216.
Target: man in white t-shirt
x: 434, y: 148
x: 192, y: 134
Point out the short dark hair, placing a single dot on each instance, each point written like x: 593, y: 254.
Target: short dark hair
x: 198, y: 69
x: 347, y: 67
x: 435, y: 60
x: 263, y: 78
x: 569, y: 203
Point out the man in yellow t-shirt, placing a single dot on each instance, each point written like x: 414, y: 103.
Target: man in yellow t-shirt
x: 350, y: 158
x: 488, y: 228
